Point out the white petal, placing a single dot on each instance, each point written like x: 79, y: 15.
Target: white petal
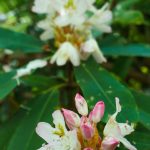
x: 54, y: 57
x: 112, y: 129
x: 37, y: 63
x: 70, y: 141
x: 41, y: 6
x: 58, y: 120
x: 22, y: 72
x: 66, y: 52
x: 127, y: 144
x: 46, y: 35
x: 62, y: 56
x: 88, y: 46
x: 74, y: 56
x: 125, y: 128
x: 62, y: 20
x: 118, y: 108
x: 98, y: 56
x: 44, y: 130
x: 101, y: 19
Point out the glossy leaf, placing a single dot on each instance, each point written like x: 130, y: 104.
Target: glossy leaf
x: 19, y: 41
x: 7, y: 84
x: 141, y: 140
x: 98, y: 84
x: 144, y: 107
x: 24, y: 136
x: 142, y: 50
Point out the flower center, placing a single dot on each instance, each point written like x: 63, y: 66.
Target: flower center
x: 94, y: 142
x: 60, y: 131
x: 69, y: 34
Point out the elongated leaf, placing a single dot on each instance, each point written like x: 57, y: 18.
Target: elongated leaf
x: 7, y: 84
x: 7, y: 129
x: 143, y: 102
x: 98, y: 84
x: 24, y: 136
x: 142, y: 50
x: 19, y: 41
x: 141, y: 140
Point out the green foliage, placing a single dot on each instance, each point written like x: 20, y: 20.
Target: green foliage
x: 38, y: 95
x: 143, y: 107
x: 20, y: 133
x: 7, y: 83
x: 102, y: 85
x: 19, y: 42
x: 142, y: 50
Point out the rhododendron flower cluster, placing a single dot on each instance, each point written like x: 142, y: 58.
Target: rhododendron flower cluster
x: 83, y: 133
x: 70, y: 23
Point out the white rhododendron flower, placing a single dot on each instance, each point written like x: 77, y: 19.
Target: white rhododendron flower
x: 90, y: 47
x: 70, y: 25
x: 116, y: 130
x: 83, y: 134
x: 57, y: 138
x: 66, y: 52
x: 32, y: 65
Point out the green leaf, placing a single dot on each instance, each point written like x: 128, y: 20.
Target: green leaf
x: 141, y: 140
x: 127, y: 17
x: 19, y: 41
x: 98, y: 84
x: 7, y: 129
x: 7, y: 84
x: 144, y: 107
x: 24, y: 137
x: 127, y: 50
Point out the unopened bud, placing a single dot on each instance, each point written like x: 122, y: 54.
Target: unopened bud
x: 87, y: 129
x: 72, y: 119
x: 98, y: 112
x: 81, y: 105
x: 109, y: 143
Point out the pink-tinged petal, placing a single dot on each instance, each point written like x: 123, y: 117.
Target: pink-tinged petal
x: 87, y: 131
x: 86, y: 127
x: 88, y: 148
x: 118, y: 130
x: 98, y: 112
x: 72, y: 119
x: 109, y: 143
x: 81, y: 105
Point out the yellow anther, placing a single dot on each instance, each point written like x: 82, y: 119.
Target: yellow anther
x: 70, y: 4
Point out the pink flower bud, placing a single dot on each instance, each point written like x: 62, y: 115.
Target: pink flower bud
x: 81, y: 105
x: 109, y: 143
x: 98, y: 112
x: 88, y: 148
x: 72, y: 119
x: 86, y: 127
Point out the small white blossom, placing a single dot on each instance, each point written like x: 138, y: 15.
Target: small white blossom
x: 101, y: 19
x: 68, y: 22
x: 42, y: 6
x: 90, y: 47
x: 118, y: 130
x: 66, y: 52
x: 57, y: 138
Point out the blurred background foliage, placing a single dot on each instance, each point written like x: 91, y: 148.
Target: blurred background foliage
x: 127, y: 50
